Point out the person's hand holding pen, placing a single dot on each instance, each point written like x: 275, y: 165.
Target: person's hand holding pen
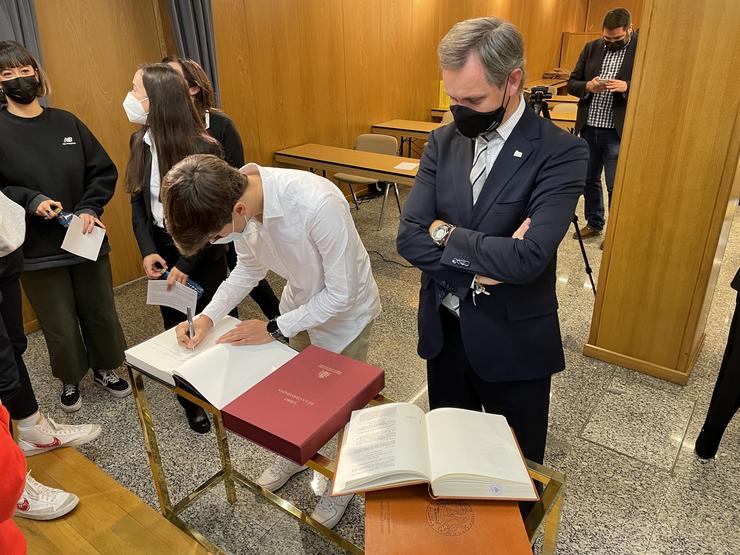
x: 201, y: 326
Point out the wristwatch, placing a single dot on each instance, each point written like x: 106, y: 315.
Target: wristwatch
x: 274, y: 330
x: 441, y: 233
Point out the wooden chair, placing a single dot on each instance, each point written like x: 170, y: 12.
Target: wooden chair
x: 382, y: 144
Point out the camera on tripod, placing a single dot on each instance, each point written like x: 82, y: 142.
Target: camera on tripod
x: 537, y: 97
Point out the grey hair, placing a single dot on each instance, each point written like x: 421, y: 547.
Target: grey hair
x: 498, y: 44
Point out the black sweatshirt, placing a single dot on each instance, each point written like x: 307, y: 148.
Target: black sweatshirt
x: 222, y: 128
x: 53, y: 156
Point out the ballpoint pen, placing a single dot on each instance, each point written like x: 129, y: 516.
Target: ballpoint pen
x: 190, y: 323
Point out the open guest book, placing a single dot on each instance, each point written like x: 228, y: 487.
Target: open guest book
x: 219, y: 372
x: 460, y: 453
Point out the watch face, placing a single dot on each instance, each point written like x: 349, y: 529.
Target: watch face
x: 439, y: 233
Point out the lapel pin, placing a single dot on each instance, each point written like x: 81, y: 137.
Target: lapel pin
x: 517, y: 154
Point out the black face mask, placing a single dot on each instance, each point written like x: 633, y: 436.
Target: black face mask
x: 472, y: 123
x: 22, y: 90
x: 617, y: 44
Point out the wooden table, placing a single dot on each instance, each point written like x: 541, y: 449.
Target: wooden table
x: 563, y: 99
x: 406, y: 130
x: 437, y: 113
x: 336, y: 159
x: 566, y: 120
x: 560, y: 85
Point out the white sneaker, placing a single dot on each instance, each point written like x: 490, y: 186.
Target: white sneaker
x: 47, y: 435
x: 280, y: 471
x: 330, y: 510
x: 40, y: 502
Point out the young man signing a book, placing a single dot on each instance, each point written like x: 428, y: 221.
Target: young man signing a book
x: 298, y: 225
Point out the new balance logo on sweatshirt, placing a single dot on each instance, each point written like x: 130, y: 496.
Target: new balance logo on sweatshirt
x: 68, y: 141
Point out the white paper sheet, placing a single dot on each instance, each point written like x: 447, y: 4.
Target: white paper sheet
x: 405, y: 166
x: 86, y: 246
x: 180, y: 297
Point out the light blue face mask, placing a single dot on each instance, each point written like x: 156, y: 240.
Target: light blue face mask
x: 234, y: 235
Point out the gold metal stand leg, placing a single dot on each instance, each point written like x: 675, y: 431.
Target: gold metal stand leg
x: 223, y: 449
x: 150, y: 441
x: 552, y: 523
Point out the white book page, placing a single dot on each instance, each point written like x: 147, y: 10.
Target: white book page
x: 473, y: 443
x: 384, y: 440
x: 224, y: 372
x: 81, y: 244
x: 162, y: 355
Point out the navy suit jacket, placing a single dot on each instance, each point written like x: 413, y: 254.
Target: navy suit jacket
x: 513, y: 333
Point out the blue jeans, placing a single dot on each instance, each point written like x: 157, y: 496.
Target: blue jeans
x: 603, y: 149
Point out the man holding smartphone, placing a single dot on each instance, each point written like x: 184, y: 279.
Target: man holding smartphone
x: 601, y: 79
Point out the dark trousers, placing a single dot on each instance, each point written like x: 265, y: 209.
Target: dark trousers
x: 77, y: 313
x: 726, y: 396
x: 16, y: 392
x: 603, y: 151
x: 262, y: 294
x: 209, y: 276
x: 454, y: 383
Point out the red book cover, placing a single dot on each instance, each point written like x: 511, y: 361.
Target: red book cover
x: 300, y: 406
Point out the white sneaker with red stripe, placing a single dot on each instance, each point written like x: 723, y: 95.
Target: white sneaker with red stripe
x: 47, y: 434
x: 40, y: 502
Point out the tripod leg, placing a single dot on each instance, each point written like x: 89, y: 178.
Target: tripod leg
x: 584, y: 255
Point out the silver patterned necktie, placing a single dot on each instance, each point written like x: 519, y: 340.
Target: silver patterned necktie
x: 478, y: 173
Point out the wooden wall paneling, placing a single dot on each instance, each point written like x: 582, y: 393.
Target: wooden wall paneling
x: 323, y: 73
x: 167, y: 35
x: 572, y: 46
x: 274, y: 62
x: 676, y: 172
x: 425, y: 64
x: 597, y: 10
x: 378, y: 42
x: 236, y: 75
x: 295, y: 56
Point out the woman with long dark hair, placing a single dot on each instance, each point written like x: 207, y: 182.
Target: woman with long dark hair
x: 50, y: 161
x: 221, y: 127
x: 171, y: 129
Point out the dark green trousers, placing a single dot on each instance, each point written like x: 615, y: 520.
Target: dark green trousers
x: 75, y: 308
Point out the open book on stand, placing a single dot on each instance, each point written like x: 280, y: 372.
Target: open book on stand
x: 460, y: 453
x: 218, y: 372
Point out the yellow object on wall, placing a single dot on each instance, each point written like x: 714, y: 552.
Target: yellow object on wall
x: 444, y: 100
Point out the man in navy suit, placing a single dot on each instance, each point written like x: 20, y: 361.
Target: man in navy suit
x: 492, y: 200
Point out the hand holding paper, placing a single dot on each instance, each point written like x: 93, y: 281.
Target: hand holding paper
x: 179, y: 296
x: 86, y: 245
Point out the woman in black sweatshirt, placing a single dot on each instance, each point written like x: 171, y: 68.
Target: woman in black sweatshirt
x: 49, y: 160
x: 171, y: 130
x: 222, y: 128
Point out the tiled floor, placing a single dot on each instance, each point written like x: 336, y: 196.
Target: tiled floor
x: 624, y: 440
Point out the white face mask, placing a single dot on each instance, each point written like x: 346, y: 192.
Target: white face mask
x: 135, y: 109
x: 234, y: 235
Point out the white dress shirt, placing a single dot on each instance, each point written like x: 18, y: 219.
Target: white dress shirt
x: 495, y: 143
x: 154, y: 182
x: 308, y: 237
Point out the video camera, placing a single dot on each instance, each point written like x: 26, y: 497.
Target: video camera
x: 537, y: 96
